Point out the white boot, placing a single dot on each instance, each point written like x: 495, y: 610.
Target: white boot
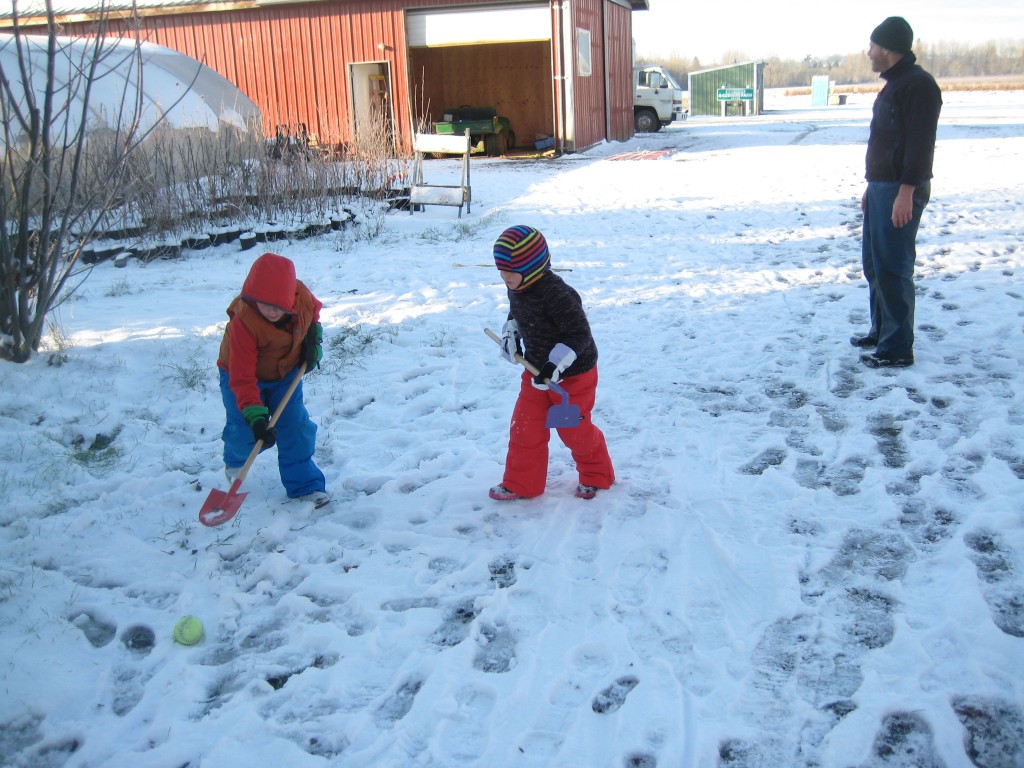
x: 320, y: 499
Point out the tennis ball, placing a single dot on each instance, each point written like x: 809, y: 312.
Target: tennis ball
x: 188, y: 630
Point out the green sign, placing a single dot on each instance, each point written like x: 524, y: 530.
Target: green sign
x: 735, y: 94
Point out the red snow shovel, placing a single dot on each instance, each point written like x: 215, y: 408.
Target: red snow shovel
x: 221, y: 507
x: 564, y: 415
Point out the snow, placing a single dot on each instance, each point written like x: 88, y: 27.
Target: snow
x: 804, y: 562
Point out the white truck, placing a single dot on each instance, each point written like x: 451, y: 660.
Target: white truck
x: 657, y: 98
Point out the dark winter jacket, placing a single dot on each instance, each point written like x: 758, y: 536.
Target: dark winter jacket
x: 254, y: 349
x: 548, y: 312
x: 903, y: 125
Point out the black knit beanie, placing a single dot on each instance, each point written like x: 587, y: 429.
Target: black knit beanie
x: 894, y: 34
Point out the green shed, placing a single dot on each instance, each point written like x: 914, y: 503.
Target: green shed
x: 735, y: 89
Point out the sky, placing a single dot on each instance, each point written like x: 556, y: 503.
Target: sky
x: 792, y: 30
x: 803, y: 562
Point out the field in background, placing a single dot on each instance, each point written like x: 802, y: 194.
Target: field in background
x: 992, y: 83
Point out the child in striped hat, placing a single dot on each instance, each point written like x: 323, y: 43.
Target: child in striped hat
x: 546, y: 317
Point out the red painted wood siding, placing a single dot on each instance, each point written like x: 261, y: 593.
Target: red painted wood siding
x: 588, y: 92
x: 603, y: 102
x: 619, y: 61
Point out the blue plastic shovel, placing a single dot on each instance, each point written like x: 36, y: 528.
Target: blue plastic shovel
x: 564, y: 415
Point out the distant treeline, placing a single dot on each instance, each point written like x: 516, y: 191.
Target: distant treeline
x: 944, y: 60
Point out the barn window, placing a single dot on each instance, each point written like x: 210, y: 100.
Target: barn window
x: 583, y: 59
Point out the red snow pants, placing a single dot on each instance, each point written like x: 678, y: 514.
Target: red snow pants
x: 526, y: 467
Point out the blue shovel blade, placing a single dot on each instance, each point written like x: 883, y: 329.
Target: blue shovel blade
x: 564, y: 415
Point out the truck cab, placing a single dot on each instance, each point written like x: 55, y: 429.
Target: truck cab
x: 657, y: 98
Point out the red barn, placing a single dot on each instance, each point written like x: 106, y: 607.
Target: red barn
x: 554, y: 68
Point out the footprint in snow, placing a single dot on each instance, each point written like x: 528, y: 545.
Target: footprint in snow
x: 398, y: 704
x: 139, y: 639
x: 1002, y: 587
x: 641, y: 760
x: 775, y: 751
x: 995, y: 729
x: 905, y: 739
x: 789, y: 394
x: 456, y: 625
x: 879, y: 555
x: 20, y: 734
x: 503, y: 572
x: 569, y: 691
x: 128, y: 691
x: 218, y: 656
x: 497, y: 652
x: 614, y: 696
x: 926, y: 526
x: 958, y: 470
x: 842, y: 479
x: 463, y: 734
x: 98, y: 631
x: 769, y: 457
x: 887, y: 429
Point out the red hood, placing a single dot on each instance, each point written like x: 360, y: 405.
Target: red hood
x: 271, y: 280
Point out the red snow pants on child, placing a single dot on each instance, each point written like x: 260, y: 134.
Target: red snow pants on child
x: 526, y: 467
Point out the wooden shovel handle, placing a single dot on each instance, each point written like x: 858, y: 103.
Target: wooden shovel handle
x: 273, y: 420
x: 519, y: 358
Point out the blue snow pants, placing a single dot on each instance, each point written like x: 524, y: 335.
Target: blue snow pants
x: 296, y: 435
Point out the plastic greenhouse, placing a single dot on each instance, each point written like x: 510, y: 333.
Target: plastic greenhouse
x: 165, y: 83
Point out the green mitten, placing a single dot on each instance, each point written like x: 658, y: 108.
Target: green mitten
x: 254, y: 413
x: 259, y: 422
x: 313, y: 348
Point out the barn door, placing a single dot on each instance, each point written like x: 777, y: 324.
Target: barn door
x: 372, y: 117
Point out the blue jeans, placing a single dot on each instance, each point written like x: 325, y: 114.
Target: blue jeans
x: 888, y: 255
x: 296, y: 436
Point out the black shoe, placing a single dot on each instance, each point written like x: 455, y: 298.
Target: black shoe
x: 864, y: 342
x: 875, y: 360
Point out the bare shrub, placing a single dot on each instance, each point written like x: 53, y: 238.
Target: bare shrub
x: 193, y: 179
x: 54, y: 194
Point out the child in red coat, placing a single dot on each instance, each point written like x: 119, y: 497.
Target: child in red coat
x: 274, y: 326
x: 546, y: 316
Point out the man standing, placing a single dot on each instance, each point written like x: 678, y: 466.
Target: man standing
x: 901, y: 144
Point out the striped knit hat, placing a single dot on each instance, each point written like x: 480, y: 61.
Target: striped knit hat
x: 524, y: 250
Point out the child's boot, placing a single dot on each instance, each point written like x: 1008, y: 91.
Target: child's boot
x: 501, y: 493
x: 585, y: 491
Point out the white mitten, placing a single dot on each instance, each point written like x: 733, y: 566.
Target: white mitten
x: 560, y: 358
x: 510, y: 340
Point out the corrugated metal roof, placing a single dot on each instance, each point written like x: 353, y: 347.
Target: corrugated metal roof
x: 37, y: 8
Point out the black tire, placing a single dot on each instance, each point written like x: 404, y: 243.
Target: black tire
x: 495, y: 145
x: 646, y: 121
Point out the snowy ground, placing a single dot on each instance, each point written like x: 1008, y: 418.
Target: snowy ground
x: 804, y: 562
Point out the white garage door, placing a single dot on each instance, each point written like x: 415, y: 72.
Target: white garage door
x: 516, y: 24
